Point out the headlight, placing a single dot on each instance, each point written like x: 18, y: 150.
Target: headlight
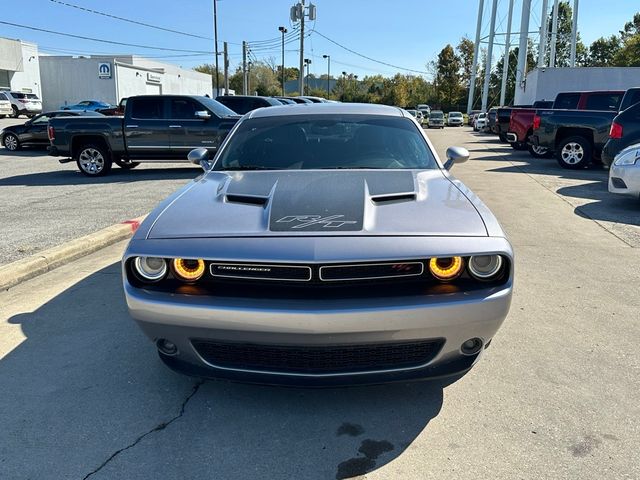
x: 446, y: 268
x: 188, y: 270
x: 628, y: 157
x: 484, y: 267
x: 150, y: 269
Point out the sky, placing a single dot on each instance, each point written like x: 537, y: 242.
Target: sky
x: 404, y: 33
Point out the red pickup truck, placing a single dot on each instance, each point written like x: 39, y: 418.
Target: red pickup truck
x: 521, y: 122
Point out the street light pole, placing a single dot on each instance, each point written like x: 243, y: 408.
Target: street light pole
x: 283, y: 31
x: 328, y: 57
x: 215, y: 39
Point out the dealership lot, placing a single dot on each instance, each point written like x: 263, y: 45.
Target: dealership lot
x: 84, y: 395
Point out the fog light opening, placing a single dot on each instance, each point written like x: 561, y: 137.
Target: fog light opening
x: 166, y: 347
x: 471, y: 346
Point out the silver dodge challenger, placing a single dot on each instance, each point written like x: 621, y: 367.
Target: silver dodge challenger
x: 324, y: 244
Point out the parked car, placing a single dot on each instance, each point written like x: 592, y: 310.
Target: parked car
x: 87, y: 106
x: 436, y: 119
x: 114, y: 110
x: 5, y: 106
x: 624, y: 131
x: 521, y: 122
x: 417, y: 114
x: 480, y: 122
x: 242, y: 104
x: 24, y: 103
x: 624, y: 174
x: 503, y: 118
x: 424, y: 108
x: 473, y: 114
x: 315, y: 99
x: 34, y: 131
x: 154, y: 128
x: 297, y: 99
x: 285, y: 101
x: 246, y: 273
x: 455, y: 119
x: 577, y: 137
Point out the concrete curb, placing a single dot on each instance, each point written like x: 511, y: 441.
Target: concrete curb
x: 47, y: 260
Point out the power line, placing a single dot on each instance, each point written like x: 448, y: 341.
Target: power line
x: 148, y: 25
x: 367, y: 57
x: 112, y: 42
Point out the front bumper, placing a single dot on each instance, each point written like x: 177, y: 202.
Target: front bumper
x: 625, y: 180
x: 453, y: 318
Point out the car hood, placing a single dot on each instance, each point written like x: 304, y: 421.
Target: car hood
x: 319, y: 202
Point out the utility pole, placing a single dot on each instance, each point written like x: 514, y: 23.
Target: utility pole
x: 505, y: 62
x: 542, y: 46
x: 215, y: 39
x: 244, y: 68
x: 283, y: 31
x: 574, y: 33
x: 487, y: 69
x: 476, y: 50
x: 226, y: 69
x: 554, y: 35
x: 521, y: 69
x: 328, y: 57
x: 301, y: 80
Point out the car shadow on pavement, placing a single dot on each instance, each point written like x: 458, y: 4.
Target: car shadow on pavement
x: 117, y: 175
x: 25, y: 152
x: 607, y: 207
x: 85, y: 396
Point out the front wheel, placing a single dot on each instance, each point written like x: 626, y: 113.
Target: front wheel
x: 538, y: 152
x: 574, y: 152
x: 11, y: 142
x: 519, y: 145
x: 16, y: 113
x: 126, y: 164
x: 93, y: 160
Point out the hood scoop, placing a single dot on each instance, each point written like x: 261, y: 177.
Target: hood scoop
x: 394, y: 198
x: 257, y: 201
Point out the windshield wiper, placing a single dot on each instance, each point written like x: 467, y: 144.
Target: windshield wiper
x: 249, y: 167
x: 342, y: 167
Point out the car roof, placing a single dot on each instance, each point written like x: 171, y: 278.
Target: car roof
x: 328, y: 109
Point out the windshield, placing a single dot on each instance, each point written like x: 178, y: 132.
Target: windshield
x: 436, y: 115
x: 303, y: 142
x: 216, y: 107
x: 455, y: 115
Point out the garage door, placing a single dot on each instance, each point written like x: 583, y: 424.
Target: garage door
x: 154, y: 89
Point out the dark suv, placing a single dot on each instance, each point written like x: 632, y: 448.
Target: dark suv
x: 242, y: 104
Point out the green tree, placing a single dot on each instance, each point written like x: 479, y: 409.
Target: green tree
x: 465, y: 52
x: 629, y: 54
x: 448, y: 76
x: 210, y: 69
x: 631, y: 28
x: 563, y: 43
x: 603, y: 51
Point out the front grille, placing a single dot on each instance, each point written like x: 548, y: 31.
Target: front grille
x: 315, y: 359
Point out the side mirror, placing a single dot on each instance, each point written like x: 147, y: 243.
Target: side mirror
x: 200, y: 156
x: 203, y: 115
x: 456, y: 155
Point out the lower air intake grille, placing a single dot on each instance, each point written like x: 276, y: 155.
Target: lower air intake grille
x: 318, y: 359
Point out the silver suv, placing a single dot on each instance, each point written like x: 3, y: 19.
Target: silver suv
x: 24, y: 103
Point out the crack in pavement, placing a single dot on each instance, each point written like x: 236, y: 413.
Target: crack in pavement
x: 157, y: 428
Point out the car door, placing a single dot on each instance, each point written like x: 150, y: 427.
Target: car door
x: 146, y: 128
x: 35, y: 130
x: 187, y: 130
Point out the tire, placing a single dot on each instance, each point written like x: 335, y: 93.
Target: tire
x: 503, y: 138
x: 16, y: 113
x: 574, y: 153
x: 518, y: 145
x: 93, y: 160
x: 127, y: 165
x: 538, y: 152
x: 11, y: 142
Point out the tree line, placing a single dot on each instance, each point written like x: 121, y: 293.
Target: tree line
x: 450, y: 73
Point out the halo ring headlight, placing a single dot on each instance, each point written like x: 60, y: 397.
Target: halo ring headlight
x: 150, y: 269
x: 485, y: 267
x: 188, y: 270
x: 446, y: 268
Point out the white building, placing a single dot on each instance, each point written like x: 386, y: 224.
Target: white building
x: 546, y: 83
x: 67, y: 80
x: 19, y: 66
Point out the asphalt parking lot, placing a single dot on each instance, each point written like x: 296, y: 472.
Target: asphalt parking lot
x: 555, y: 397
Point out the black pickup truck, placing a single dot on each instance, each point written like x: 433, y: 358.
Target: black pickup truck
x: 577, y: 136
x: 153, y: 128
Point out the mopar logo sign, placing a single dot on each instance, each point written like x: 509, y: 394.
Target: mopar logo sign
x: 104, y: 70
